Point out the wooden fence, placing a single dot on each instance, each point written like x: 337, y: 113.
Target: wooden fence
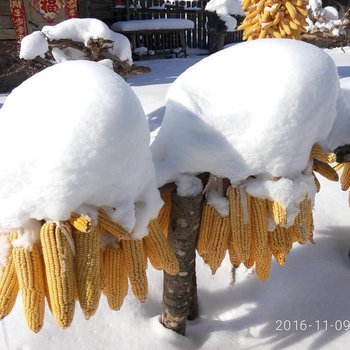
x: 193, y: 10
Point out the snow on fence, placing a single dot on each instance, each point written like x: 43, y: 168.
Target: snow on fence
x: 197, y: 37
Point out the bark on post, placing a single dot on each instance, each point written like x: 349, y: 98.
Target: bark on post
x: 180, y: 292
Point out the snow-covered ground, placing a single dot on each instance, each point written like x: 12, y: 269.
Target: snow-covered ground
x: 311, y: 291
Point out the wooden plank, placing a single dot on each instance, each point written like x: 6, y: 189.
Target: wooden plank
x: 6, y: 22
x: 7, y: 34
x: 5, y: 8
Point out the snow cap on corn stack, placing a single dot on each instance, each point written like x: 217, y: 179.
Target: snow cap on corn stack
x: 254, y: 114
x: 81, y: 143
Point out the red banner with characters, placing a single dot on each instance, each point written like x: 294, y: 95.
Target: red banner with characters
x: 48, y: 9
x: 71, y: 9
x: 18, y: 19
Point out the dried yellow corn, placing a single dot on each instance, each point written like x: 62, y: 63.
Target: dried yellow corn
x: 164, y: 213
x: 30, y: 273
x: 102, y: 272
x: 345, y: 177
x: 80, y: 222
x: 8, y: 287
x: 159, y: 249
x: 261, y: 250
x: 325, y: 170
x: 338, y: 166
x: 206, y: 229
x: 232, y: 253
x: 87, y: 245
x: 317, y: 183
x: 263, y: 266
x: 218, y: 242
x: 107, y: 224
x: 278, y: 212
x: 136, y: 264
x: 240, y: 203
x: 280, y: 243
x: 318, y: 153
x: 116, y: 276
x: 58, y: 258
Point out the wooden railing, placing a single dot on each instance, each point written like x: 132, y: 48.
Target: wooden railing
x: 193, y: 10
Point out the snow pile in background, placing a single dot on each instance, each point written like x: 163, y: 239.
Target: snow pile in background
x: 236, y: 117
x: 225, y: 8
x: 75, y: 137
x: 77, y: 29
x: 323, y: 19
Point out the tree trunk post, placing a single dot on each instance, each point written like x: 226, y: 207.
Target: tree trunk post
x: 180, y: 300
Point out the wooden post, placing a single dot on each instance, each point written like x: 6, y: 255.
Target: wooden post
x: 180, y: 292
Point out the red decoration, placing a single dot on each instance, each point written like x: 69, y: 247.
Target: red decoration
x: 48, y: 8
x: 18, y: 19
x: 71, y: 9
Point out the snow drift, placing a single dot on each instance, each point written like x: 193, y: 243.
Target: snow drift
x: 78, y: 140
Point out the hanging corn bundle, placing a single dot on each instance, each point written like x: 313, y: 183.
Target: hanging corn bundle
x: 79, y: 188
x: 254, y: 229
x: 71, y: 262
x: 274, y: 19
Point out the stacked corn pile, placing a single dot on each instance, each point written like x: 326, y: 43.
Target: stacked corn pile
x: 67, y: 262
x: 274, y: 19
x: 253, y: 230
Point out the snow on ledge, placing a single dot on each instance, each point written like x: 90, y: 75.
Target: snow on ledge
x: 152, y: 24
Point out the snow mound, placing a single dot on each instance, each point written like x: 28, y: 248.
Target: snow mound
x: 77, y: 29
x: 75, y: 138
x: 225, y: 8
x: 254, y: 109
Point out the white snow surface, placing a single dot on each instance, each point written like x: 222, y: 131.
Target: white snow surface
x: 77, y: 29
x: 34, y: 45
x: 225, y: 8
x: 313, y: 286
x: 236, y: 122
x: 153, y: 24
x: 78, y: 140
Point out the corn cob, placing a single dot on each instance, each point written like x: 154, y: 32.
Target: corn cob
x: 263, y: 266
x: 318, y: 153
x: 271, y: 19
x: 88, y: 269
x: 58, y: 258
x: 159, y: 250
x: 102, y: 271
x: 232, y: 253
x: 116, y: 276
x: 278, y: 213
x: 164, y: 213
x: 325, y: 170
x: 317, y: 183
x: 280, y: 243
x: 240, y: 221
x: 345, y: 177
x: 218, y: 242
x: 261, y: 246
x: 339, y: 166
x: 136, y: 264
x: 80, y: 222
x: 30, y: 273
x: 206, y: 229
x: 8, y: 287
x: 112, y: 227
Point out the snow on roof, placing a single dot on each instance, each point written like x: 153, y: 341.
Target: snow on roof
x: 254, y: 109
x: 153, y: 24
x: 75, y: 145
x: 77, y: 29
